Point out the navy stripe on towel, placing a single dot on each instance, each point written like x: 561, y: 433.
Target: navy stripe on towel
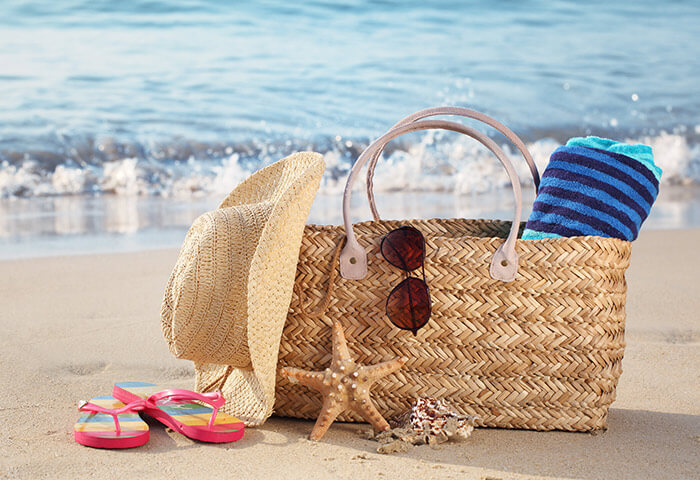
x: 567, y: 212
x: 633, y: 164
x: 594, y: 204
x: 588, y: 191
x: 598, y: 185
x: 602, y: 167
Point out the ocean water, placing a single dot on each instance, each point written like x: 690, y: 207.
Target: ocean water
x: 166, y: 100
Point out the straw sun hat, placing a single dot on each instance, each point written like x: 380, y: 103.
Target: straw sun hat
x: 227, y: 298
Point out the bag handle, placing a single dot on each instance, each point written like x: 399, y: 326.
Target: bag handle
x: 353, y: 258
x: 458, y: 111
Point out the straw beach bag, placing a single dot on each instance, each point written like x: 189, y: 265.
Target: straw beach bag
x: 524, y: 334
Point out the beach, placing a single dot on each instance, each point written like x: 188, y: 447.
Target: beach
x: 122, y: 122
x: 73, y: 325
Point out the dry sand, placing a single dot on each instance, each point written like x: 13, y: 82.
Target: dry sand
x: 73, y: 325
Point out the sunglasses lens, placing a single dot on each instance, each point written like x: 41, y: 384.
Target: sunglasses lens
x: 408, y: 305
x: 404, y: 248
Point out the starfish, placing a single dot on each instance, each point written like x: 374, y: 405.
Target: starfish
x: 345, y: 385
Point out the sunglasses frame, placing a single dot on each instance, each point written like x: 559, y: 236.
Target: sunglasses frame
x: 408, y: 276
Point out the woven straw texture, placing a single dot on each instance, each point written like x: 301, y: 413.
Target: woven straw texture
x: 542, y: 352
x: 227, y: 298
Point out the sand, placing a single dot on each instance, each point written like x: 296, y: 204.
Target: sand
x: 73, y: 325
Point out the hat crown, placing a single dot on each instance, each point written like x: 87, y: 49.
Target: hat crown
x: 228, y: 296
x: 209, y: 284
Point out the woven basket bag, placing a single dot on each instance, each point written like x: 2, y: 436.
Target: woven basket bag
x: 523, y: 334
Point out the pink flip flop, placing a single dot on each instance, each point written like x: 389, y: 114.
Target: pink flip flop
x: 178, y: 409
x: 108, y: 423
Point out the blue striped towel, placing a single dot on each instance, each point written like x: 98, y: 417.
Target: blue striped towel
x: 594, y: 186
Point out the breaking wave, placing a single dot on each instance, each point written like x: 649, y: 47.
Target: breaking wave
x: 433, y: 162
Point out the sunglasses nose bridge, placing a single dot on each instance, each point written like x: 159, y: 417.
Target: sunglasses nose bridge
x: 408, y: 304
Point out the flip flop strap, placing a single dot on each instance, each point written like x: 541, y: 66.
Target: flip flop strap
x: 215, y: 399
x: 134, y: 406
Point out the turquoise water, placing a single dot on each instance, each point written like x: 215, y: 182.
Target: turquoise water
x: 88, y: 82
x: 184, y: 99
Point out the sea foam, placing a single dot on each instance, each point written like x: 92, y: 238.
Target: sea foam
x: 433, y: 163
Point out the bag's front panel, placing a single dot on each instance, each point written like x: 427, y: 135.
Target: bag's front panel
x: 542, y: 352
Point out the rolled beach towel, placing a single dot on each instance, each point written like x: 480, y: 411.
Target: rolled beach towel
x: 594, y: 186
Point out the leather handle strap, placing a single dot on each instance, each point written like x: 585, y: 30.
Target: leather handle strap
x: 457, y: 111
x: 353, y: 258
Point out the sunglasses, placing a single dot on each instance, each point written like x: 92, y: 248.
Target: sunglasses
x: 408, y: 305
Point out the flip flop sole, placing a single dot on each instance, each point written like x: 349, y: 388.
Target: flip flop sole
x: 104, y: 440
x: 98, y: 430
x: 188, y: 418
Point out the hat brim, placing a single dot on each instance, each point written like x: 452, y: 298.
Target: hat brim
x: 250, y: 392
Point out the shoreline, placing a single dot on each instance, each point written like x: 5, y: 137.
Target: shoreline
x: 54, y: 226
x: 74, y: 324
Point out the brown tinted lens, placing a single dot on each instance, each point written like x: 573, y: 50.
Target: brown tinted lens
x: 408, y: 305
x: 404, y: 248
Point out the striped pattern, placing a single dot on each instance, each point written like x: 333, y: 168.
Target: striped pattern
x: 187, y: 413
x: 104, y: 423
x: 591, y: 191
